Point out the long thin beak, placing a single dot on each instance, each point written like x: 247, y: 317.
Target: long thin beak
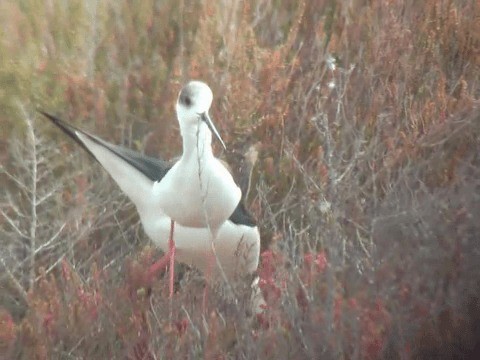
x: 206, y: 118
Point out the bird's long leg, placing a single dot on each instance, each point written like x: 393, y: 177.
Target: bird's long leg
x: 167, y: 259
x: 159, y: 264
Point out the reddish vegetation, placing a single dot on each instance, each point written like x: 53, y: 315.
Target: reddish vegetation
x: 367, y: 188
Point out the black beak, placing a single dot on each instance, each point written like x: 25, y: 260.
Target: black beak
x: 206, y: 118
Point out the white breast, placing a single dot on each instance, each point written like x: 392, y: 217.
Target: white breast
x: 197, y: 196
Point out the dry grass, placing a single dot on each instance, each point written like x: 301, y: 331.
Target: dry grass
x: 367, y: 189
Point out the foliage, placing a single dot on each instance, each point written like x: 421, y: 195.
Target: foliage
x: 366, y: 118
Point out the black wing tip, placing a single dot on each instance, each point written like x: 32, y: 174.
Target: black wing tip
x: 48, y: 115
x: 154, y: 169
x: 56, y: 120
x: 68, y: 129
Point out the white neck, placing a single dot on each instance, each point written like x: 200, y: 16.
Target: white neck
x: 197, y: 141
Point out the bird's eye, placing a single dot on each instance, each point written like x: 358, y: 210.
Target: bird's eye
x: 187, y: 101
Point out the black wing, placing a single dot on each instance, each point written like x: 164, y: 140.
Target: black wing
x: 241, y: 216
x: 154, y: 169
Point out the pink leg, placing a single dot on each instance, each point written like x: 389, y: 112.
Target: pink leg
x: 167, y: 259
x: 159, y: 264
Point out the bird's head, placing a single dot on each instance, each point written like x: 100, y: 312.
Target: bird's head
x: 193, y: 104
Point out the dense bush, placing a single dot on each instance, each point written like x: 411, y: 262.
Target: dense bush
x: 366, y: 118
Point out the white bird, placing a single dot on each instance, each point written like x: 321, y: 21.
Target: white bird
x: 197, y: 193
